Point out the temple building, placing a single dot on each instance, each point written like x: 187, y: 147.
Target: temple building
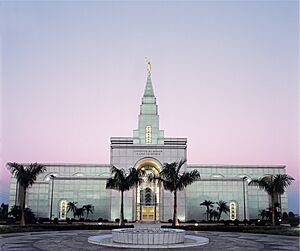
x: 147, y: 149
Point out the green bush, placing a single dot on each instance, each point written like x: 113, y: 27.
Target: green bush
x: 236, y: 222
x: 294, y: 221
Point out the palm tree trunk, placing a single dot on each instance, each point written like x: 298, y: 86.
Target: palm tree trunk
x: 219, y: 216
x: 175, y: 222
x: 23, y: 209
x: 273, y: 209
x: 207, y: 211
x: 122, y: 209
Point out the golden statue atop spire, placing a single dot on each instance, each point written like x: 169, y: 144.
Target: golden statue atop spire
x: 148, y: 67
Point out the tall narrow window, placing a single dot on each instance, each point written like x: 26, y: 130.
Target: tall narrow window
x: 148, y: 134
x: 63, y: 210
x: 232, y: 210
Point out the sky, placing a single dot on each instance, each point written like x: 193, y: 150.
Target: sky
x: 225, y: 74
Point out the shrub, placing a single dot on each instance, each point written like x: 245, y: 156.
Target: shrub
x: 260, y: 223
x: 55, y: 220
x: 236, y: 222
x: 249, y: 222
x: 100, y: 219
x: 285, y: 216
x: 192, y: 221
x: 69, y: 221
x: 117, y: 220
x: 42, y: 220
x: 226, y: 222
x: 203, y: 221
x: 291, y: 214
x: 125, y: 220
x: 170, y: 220
x: 10, y: 221
x: 294, y: 221
x: 81, y: 219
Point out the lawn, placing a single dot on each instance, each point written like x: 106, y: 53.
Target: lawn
x: 278, y: 230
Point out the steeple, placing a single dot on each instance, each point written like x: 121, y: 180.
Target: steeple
x: 149, y: 97
x: 148, y: 131
x: 149, y: 89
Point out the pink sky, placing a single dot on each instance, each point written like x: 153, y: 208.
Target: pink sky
x: 225, y: 75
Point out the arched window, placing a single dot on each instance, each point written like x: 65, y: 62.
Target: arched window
x: 232, y: 210
x: 148, y: 134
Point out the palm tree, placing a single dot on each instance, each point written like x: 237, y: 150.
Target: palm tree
x: 72, y: 207
x: 88, y: 209
x: 210, y: 211
x: 26, y: 176
x: 122, y: 181
x: 213, y: 214
x: 222, y: 208
x: 174, y: 181
x: 79, y: 212
x: 274, y: 185
x: 208, y: 204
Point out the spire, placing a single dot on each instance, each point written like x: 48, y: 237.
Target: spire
x: 148, y: 130
x: 149, y: 89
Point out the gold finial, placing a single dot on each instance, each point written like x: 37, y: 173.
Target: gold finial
x: 148, y: 67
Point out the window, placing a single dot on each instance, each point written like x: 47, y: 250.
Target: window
x: 232, y: 210
x: 148, y: 134
x: 62, y: 210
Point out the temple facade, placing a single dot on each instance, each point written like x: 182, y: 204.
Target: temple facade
x: 147, y: 149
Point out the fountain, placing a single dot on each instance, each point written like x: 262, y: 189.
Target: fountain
x: 148, y: 237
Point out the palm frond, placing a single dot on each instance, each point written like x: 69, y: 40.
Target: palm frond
x: 26, y: 176
x: 123, y: 181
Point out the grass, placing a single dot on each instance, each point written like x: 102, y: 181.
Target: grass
x: 5, y: 229
x: 277, y: 230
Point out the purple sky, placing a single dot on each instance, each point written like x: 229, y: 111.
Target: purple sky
x: 225, y: 75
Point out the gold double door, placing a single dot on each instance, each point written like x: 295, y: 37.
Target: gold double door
x: 148, y: 213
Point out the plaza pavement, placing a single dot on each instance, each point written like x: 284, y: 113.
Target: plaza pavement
x: 77, y: 240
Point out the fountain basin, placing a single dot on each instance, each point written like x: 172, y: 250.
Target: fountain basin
x: 148, y: 236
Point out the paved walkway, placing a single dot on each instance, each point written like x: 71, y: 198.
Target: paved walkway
x: 77, y: 240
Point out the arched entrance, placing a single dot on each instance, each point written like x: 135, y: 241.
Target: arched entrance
x: 148, y: 194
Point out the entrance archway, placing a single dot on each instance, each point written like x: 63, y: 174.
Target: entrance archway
x: 148, y: 194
